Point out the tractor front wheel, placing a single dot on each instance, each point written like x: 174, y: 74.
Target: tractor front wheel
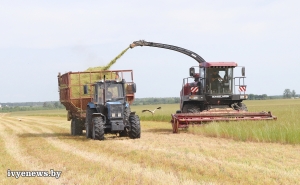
x: 98, y: 129
x: 135, y: 127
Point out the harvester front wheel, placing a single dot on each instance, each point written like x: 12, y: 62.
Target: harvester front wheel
x: 190, y: 108
x: 98, y: 130
x: 88, y: 122
x: 243, y: 107
x: 135, y: 127
x: 76, y: 127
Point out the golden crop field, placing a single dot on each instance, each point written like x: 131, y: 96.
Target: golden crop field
x: 214, y: 153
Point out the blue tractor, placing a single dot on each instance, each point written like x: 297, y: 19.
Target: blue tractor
x: 109, y: 111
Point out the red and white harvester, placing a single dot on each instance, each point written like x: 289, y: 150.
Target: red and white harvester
x: 211, y: 93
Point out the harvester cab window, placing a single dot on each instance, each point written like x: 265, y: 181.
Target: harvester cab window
x: 219, y: 80
x: 202, y: 77
x: 214, y: 80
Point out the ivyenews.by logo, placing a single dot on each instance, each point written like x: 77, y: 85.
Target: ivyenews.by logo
x: 18, y: 174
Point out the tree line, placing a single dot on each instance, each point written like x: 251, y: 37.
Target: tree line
x: 27, y: 106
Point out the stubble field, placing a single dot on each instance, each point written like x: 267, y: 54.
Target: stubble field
x: 215, y: 153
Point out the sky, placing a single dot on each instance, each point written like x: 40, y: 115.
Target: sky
x: 39, y: 39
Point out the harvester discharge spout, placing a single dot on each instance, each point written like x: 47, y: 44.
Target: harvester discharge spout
x: 192, y: 54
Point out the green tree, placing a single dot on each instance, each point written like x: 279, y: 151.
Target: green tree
x: 251, y: 97
x: 56, y: 105
x: 45, y: 104
x: 264, y: 96
x: 287, y: 93
x: 293, y: 93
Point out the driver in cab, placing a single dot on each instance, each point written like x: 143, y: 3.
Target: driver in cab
x: 215, y: 78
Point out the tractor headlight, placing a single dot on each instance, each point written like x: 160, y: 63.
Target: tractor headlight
x: 116, y: 115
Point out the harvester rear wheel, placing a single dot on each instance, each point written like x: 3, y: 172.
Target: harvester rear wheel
x: 135, y: 127
x: 190, y: 108
x: 98, y: 130
x: 76, y: 127
x: 88, y: 122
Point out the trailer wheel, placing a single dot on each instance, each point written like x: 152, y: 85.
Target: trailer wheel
x: 98, y: 130
x: 190, y: 108
x: 88, y: 122
x: 243, y: 107
x: 76, y: 127
x: 135, y: 127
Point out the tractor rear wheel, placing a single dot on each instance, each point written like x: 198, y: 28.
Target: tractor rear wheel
x: 98, y: 130
x: 76, y: 127
x: 135, y: 127
x: 88, y: 122
x: 190, y: 108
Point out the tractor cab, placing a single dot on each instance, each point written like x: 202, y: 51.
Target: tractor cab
x: 109, y: 91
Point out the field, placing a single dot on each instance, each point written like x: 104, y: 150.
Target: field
x: 265, y: 152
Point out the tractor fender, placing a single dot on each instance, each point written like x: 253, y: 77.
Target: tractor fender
x: 100, y: 114
x: 91, y: 105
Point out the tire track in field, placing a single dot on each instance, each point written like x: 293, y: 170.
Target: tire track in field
x: 208, y: 144
x: 3, y: 114
x: 205, y: 159
x: 13, y: 147
x: 200, y: 157
x: 18, y: 153
x: 42, y: 121
x: 156, y: 176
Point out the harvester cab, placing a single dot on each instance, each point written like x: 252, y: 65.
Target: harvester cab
x: 213, y: 86
x: 109, y: 110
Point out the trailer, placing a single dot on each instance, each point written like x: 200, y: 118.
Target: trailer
x: 76, y: 92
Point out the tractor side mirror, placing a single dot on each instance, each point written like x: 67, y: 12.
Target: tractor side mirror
x: 85, y: 89
x: 192, y: 71
x: 130, y: 88
x: 243, y: 71
x: 134, y: 88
